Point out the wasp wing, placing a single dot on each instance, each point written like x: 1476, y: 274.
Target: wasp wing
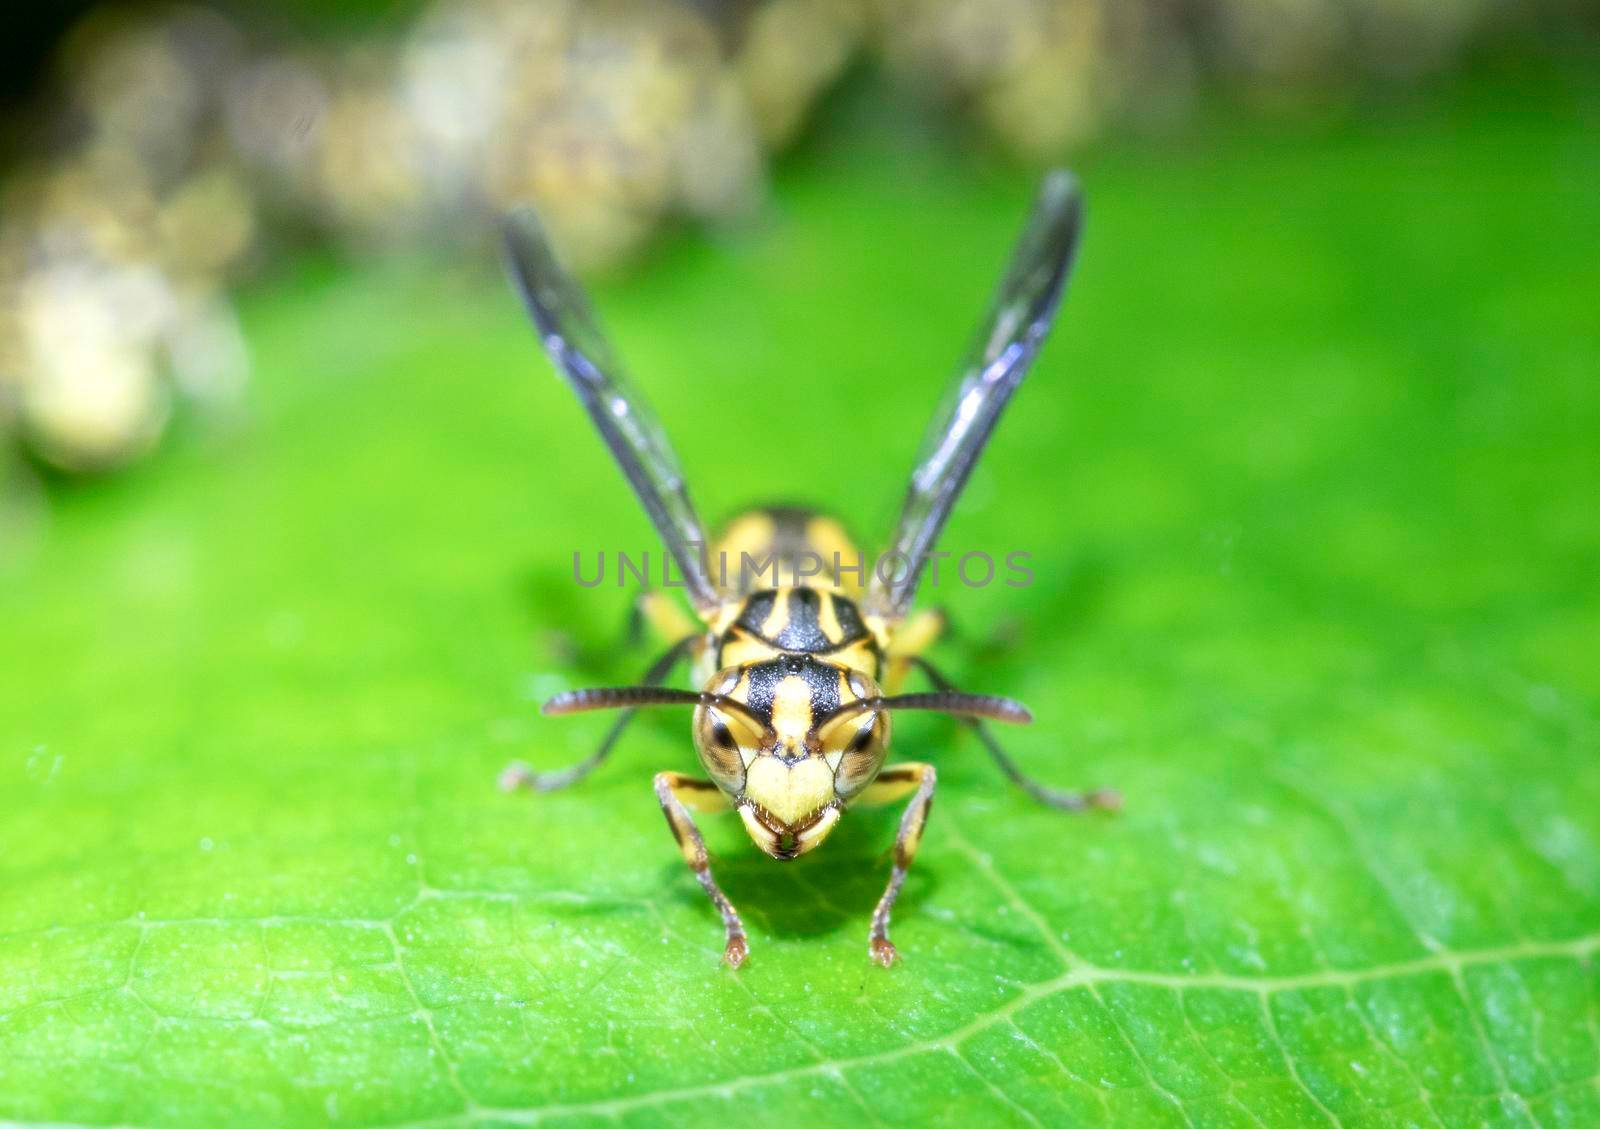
x: 581, y: 354
x: 1010, y: 334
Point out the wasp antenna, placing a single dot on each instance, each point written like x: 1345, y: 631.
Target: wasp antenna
x: 615, y: 698
x: 991, y: 706
x: 945, y: 701
x: 632, y: 697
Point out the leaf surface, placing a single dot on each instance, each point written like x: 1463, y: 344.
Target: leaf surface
x: 1307, y: 477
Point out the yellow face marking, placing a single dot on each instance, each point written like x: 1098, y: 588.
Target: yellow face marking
x: 791, y: 712
x: 790, y: 792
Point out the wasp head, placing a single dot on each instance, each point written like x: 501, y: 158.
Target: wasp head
x: 787, y: 748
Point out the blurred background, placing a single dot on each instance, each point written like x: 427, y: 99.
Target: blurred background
x: 155, y: 157
x: 289, y: 500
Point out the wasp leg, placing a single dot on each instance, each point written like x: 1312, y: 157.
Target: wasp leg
x: 913, y: 637
x: 1106, y: 799
x: 518, y: 774
x: 668, y: 620
x: 677, y: 794
x: 891, y: 784
x: 655, y: 613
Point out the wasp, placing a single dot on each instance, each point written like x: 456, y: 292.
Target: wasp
x: 798, y: 681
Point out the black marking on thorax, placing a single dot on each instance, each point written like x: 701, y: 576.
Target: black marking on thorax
x: 803, y: 632
x: 756, y: 610
x: 822, y: 679
x: 851, y: 626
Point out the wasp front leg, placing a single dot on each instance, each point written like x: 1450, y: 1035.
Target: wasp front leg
x: 678, y: 793
x: 662, y: 615
x: 911, y: 639
x: 891, y: 784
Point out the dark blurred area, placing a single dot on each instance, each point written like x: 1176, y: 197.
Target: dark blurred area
x: 155, y: 154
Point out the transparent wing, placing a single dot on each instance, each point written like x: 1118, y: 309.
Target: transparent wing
x: 1009, y: 336
x: 630, y: 429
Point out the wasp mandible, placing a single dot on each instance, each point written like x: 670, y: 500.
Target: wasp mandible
x: 798, y: 682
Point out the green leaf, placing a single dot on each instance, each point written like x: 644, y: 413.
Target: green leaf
x: 1307, y: 476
